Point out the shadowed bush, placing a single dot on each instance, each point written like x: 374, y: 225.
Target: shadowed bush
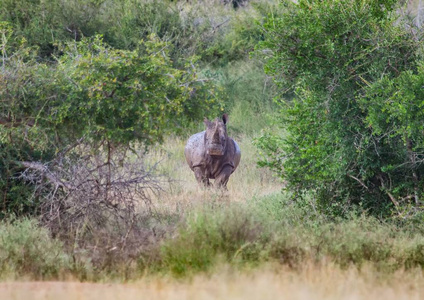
x: 212, y: 30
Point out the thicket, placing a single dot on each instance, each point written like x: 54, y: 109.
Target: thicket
x: 351, y: 129
x: 213, y: 30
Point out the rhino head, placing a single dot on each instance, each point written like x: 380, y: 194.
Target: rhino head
x: 216, y: 136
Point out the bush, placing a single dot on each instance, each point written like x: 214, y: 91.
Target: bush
x: 26, y: 249
x: 208, y: 237
x: 326, y: 54
x: 211, y: 30
x: 123, y: 95
x: 37, y: 22
x: 394, y: 108
x: 22, y: 98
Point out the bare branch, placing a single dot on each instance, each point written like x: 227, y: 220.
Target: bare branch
x: 358, y: 180
x: 380, y: 177
x: 45, y: 172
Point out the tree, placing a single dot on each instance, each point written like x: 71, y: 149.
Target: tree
x: 327, y: 54
x: 123, y: 96
x: 96, y: 95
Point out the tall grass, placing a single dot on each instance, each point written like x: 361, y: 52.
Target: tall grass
x: 214, y: 232
x: 242, y: 235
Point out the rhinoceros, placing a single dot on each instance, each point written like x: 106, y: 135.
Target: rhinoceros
x: 211, y: 154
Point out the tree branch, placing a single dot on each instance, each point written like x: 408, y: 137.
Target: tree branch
x: 358, y: 180
x: 45, y: 172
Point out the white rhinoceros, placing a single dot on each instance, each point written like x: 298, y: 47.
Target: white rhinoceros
x: 211, y: 154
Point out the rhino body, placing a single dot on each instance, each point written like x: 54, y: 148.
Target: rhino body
x: 211, y: 154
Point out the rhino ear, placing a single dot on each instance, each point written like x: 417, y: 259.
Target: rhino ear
x: 225, y: 118
x: 207, y: 122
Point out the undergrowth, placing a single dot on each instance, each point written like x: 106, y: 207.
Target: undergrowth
x: 271, y: 229
x: 264, y: 230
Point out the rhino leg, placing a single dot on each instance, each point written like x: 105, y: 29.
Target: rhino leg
x: 200, y: 177
x: 222, y: 179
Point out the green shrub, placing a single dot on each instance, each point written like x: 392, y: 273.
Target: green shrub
x: 26, y: 249
x: 213, y: 31
x: 210, y: 236
x: 23, y: 95
x: 133, y: 20
x: 38, y: 22
x: 327, y: 53
x: 94, y: 93
x: 122, y: 95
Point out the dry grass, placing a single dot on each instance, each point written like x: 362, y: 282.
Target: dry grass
x: 311, y: 282
x: 247, y: 181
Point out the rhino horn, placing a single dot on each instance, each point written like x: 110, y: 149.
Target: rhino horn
x: 216, y: 135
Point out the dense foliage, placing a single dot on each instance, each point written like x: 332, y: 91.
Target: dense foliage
x: 348, y: 65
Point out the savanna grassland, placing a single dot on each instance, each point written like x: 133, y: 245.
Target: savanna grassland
x: 248, y: 243
x: 97, y: 100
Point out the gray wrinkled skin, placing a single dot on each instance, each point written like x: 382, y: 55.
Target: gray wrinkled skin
x: 211, y: 154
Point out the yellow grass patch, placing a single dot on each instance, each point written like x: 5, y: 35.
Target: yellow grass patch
x: 311, y: 282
